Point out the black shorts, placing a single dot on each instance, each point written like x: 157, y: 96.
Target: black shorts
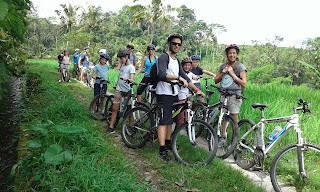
x: 166, y: 105
x: 96, y: 90
x: 141, y: 88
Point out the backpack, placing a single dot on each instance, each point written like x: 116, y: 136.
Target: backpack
x: 236, y: 71
x: 154, y: 73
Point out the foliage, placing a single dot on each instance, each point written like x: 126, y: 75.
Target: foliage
x: 13, y: 26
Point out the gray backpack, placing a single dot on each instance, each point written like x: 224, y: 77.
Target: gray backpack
x: 236, y: 70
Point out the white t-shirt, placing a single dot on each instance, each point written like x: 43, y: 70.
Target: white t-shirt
x: 184, y: 91
x: 164, y: 88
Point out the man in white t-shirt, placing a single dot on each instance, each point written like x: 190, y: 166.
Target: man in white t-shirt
x: 169, y: 70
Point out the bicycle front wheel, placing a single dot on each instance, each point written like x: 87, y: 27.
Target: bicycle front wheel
x: 228, y: 141
x: 136, y: 126
x: 285, y: 174
x: 199, y: 151
x: 243, y: 156
x: 96, y: 108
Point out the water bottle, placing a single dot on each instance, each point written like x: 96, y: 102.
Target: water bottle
x: 277, y: 130
x: 210, y: 115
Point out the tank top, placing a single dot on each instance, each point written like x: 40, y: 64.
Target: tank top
x: 148, y: 66
x: 65, y: 60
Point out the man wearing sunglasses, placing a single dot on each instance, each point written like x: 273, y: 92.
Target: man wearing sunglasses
x: 169, y: 69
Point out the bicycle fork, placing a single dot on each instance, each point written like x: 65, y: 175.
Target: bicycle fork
x: 191, y: 127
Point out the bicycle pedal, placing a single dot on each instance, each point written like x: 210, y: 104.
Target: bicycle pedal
x: 257, y: 168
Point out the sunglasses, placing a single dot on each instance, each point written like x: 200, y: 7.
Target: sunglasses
x: 150, y: 49
x: 174, y: 43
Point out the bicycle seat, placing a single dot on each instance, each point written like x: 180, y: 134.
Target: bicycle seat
x: 209, y: 92
x: 258, y: 105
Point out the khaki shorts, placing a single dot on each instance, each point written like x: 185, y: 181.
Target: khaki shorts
x: 64, y: 66
x: 233, y: 104
x: 120, y: 94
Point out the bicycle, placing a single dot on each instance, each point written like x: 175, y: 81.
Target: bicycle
x: 187, y: 149
x: 150, y: 96
x: 296, y: 163
x: 97, y: 108
x: 65, y: 74
x: 222, y: 122
x: 124, y: 104
x: 89, y: 81
x: 76, y: 72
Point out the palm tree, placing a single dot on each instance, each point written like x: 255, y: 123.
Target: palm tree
x: 68, y: 16
x: 154, y: 14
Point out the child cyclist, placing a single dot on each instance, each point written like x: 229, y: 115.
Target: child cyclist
x: 197, y: 71
x: 186, y: 66
x: 127, y: 72
x: 147, y: 62
x: 101, y: 71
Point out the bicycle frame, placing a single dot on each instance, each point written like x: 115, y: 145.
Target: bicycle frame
x: 293, y: 121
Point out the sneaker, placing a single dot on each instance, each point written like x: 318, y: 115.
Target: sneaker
x: 69, y: 81
x: 103, y: 113
x: 60, y: 81
x: 168, y: 147
x: 164, y: 156
x: 222, y: 143
x: 110, y: 131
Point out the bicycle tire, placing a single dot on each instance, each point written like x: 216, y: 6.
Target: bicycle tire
x: 226, y: 150
x: 108, y: 111
x: 242, y: 156
x: 96, y: 113
x: 284, y: 167
x: 137, y: 134
x: 201, y: 153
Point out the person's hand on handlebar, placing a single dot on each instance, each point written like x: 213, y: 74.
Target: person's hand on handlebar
x: 185, y: 83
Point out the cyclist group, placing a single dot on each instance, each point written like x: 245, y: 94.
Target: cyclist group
x: 231, y: 75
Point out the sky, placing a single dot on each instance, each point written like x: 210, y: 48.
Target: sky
x: 245, y: 20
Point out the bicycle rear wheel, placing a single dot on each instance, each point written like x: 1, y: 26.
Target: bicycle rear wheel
x: 285, y: 172
x: 231, y: 137
x: 96, y: 111
x: 201, y: 151
x: 243, y: 156
x: 136, y: 126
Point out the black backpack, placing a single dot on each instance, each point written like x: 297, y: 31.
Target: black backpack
x: 154, y: 73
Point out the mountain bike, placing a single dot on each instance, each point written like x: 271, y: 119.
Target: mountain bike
x: 65, y: 74
x: 187, y: 149
x: 97, y: 105
x: 124, y: 106
x: 218, y: 116
x: 150, y: 96
x: 297, y: 164
x: 88, y: 71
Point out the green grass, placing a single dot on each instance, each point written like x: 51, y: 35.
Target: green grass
x: 98, y: 162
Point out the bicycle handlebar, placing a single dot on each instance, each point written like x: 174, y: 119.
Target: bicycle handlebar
x: 103, y: 80
x: 228, y: 92
x: 305, y: 106
x: 131, y: 83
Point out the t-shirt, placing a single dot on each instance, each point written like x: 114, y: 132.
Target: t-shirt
x: 102, y: 72
x: 125, y: 71
x: 164, y: 88
x: 85, y: 59
x: 198, y: 71
x: 133, y: 58
x: 228, y: 82
x: 76, y: 59
x: 184, y: 91
x: 148, y: 66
